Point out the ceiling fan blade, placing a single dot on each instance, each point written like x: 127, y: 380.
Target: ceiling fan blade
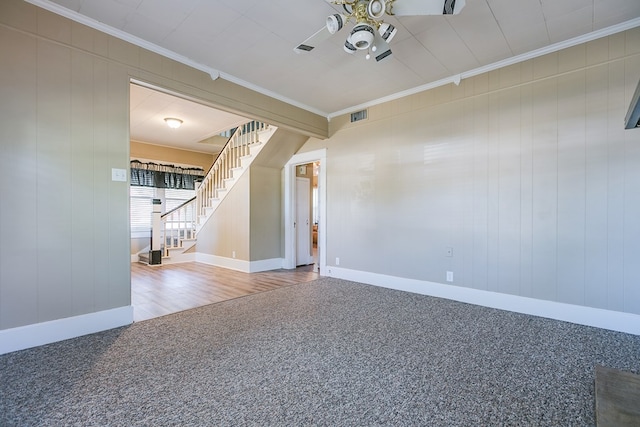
x: 312, y: 42
x: 427, y: 7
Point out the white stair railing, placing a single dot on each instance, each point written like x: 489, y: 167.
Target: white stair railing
x: 230, y: 158
x: 178, y: 225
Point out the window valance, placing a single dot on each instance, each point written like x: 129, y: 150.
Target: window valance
x: 164, y: 176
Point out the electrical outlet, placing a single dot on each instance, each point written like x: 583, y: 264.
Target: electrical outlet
x: 337, y: 261
x: 449, y: 276
x: 233, y: 254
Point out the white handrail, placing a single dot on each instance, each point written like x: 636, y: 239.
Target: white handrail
x: 238, y: 146
x: 179, y: 225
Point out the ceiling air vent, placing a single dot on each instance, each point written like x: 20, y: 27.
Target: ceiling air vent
x: 358, y: 115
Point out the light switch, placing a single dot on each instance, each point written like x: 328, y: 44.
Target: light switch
x: 118, y: 175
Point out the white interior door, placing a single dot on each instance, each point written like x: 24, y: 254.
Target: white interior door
x: 290, y: 208
x: 303, y: 221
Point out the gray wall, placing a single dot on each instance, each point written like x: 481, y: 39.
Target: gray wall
x: 64, y: 238
x: 526, y: 172
x: 227, y: 230
x: 249, y: 221
x: 267, y: 196
x: 266, y: 213
x: 64, y: 225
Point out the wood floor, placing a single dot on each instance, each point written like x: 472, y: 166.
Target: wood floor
x: 160, y: 290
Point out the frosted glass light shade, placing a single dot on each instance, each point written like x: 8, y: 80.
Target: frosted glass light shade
x: 173, y: 123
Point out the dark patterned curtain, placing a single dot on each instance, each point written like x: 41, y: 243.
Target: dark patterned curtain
x: 164, y: 176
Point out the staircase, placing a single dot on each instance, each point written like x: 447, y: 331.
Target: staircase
x: 180, y: 226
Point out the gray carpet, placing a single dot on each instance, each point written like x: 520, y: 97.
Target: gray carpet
x: 328, y: 352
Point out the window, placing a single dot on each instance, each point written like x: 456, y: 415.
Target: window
x: 141, y: 207
x: 175, y: 197
x: 142, y: 204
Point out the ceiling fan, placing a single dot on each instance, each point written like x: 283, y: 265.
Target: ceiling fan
x: 370, y: 33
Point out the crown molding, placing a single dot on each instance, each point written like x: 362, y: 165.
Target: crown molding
x: 455, y: 79
x: 215, y: 74
x: 137, y: 41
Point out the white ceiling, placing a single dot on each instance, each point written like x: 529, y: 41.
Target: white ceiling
x: 251, y: 41
x: 150, y: 107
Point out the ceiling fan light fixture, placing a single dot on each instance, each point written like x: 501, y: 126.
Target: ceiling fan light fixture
x: 348, y: 47
x: 362, y: 36
x: 376, y: 8
x: 387, y: 32
x: 173, y: 123
x: 335, y: 22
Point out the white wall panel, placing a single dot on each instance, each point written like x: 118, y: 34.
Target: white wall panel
x: 82, y: 201
x: 101, y: 206
x: 265, y: 210
x: 118, y: 157
x: 463, y: 179
x: 615, y: 179
x: 18, y: 207
x: 54, y: 181
x: 526, y: 189
x: 493, y: 190
x: 596, y: 185
x: 479, y: 236
x: 571, y: 188
x: 545, y: 189
x: 508, y: 199
x: 528, y: 176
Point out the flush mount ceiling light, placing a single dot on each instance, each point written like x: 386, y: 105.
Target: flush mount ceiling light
x: 370, y: 33
x: 173, y: 123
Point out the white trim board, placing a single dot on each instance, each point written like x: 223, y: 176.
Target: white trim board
x: 588, y: 316
x: 28, y: 336
x: 238, y: 264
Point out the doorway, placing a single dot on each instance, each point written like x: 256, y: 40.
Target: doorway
x: 319, y: 209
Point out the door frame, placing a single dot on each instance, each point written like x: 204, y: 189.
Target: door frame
x: 290, y: 206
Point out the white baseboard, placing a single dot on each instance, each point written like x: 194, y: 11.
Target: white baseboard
x: 176, y: 258
x: 266, y: 265
x: 239, y: 265
x: 218, y: 261
x: 28, y: 336
x: 589, y: 316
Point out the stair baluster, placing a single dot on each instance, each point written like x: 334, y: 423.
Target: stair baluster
x: 182, y: 224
